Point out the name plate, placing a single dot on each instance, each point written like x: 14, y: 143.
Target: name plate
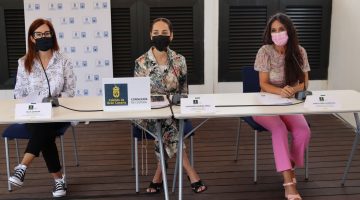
x: 33, y: 111
x: 197, y: 104
x: 321, y: 102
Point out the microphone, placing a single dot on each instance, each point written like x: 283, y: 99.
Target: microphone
x: 53, y: 100
x: 176, y: 97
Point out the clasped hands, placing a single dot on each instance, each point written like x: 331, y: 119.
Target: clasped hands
x: 287, y: 91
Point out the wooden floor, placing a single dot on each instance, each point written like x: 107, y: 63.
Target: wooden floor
x: 105, y: 165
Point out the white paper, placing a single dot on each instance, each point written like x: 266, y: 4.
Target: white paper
x: 33, y: 111
x: 273, y: 99
x: 197, y: 104
x: 316, y: 102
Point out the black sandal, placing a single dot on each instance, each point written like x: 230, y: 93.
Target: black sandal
x: 195, y: 186
x: 154, y: 186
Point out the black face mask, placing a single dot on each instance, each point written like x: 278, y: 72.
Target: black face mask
x: 44, y: 44
x: 161, y: 42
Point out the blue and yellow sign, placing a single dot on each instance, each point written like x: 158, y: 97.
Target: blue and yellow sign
x: 116, y: 94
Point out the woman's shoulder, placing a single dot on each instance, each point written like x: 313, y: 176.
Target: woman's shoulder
x: 61, y: 56
x: 175, y: 55
x: 302, y: 49
x: 267, y: 48
x: 22, y: 60
x: 141, y: 59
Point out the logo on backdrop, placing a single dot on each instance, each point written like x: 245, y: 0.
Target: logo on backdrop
x: 116, y: 94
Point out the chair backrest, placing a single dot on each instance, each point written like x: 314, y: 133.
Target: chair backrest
x: 137, y: 132
x: 251, y: 83
x: 19, y: 131
x: 250, y: 79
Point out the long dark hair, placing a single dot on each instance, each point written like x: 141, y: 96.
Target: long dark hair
x: 293, y: 58
x: 31, y: 53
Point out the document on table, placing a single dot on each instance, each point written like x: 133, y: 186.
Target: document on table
x: 321, y: 101
x: 273, y: 99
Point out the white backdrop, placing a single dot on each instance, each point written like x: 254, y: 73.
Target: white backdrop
x: 83, y: 30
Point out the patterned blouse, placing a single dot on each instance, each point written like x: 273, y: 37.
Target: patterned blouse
x: 164, y: 79
x: 60, y: 74
x: 269, y: 60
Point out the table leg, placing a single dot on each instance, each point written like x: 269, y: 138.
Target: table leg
x: 180, y: 154
x: 162, y: 159
x: 355, y: 144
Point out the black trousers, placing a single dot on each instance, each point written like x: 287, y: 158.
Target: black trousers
x: 42, y: 140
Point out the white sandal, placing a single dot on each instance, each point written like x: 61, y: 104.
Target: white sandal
x: 291, y: 196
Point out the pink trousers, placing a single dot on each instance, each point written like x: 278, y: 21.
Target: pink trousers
x: 279, y: 126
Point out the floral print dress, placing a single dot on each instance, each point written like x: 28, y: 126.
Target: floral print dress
x: 164, y: 79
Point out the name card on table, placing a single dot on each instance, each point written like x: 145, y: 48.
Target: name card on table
x: 321, y: 101
x: 197, y: 104
x: 33, y: 111
x: 126, y: 94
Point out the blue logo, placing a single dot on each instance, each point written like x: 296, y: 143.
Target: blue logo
x: 83, y: 34
x: 94, y: 20
x: 104, y: 5
x: 95, y: 49
x: 78, y: 93
x: 61, y: 35
x: 96, y: 77
x: 84, y: 63
x: 107, y: 62
x: 60, y: 6
x: 86, y: 92
x: 106, y: 34
x: 82, y: 5
x: 72, y: 20
x: 73, y: 50
x: 37, y: 6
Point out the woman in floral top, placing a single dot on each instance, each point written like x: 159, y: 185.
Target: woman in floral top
x: 283, y: 69
x: 167, y: 72
x: 43, y: 58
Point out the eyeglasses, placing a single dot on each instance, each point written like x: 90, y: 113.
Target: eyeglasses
x: 47, y: 34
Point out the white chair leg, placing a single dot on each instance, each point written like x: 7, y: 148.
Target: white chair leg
x: 17, y: 151
x: 135, y: 149
x: 307, y: 164
x: 63, y: 159
x: 192, y: 151
x: 176, y: 168
x: 255, y: 155
x: 7, y: 162
x: 132, y: 148
x: 75, y: 146
x: 238, y: 140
